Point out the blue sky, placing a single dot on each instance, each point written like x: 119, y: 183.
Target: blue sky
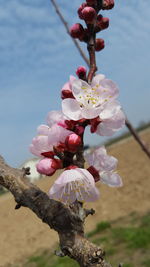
x: 37, y: 57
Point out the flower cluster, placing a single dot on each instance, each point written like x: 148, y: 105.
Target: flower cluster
x: 89, y: 13
x: 85, y: 102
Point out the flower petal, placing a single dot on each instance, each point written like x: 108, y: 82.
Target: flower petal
x: 71, y: 109
x: 111, y: 179
x: 112, y: 125
x: 109, y: 110
x: 43, y: 129
x: 111, y: 87
x: 97, y: 80
x: 54, y: 117
x: 90, y: 113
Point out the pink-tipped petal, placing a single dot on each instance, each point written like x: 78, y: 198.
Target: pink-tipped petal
x: 54, y: 117
x: 43, y: 129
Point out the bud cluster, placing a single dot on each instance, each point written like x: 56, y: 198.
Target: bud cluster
x: 88, y: 11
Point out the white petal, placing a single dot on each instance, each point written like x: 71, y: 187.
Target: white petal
x: 97, y: 79
x: 71, y: 109
x: 111, y: 179
x: 88, y: 113
x: 109, y: 110
x: 111, y: 87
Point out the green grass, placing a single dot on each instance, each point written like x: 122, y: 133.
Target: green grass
x: 126, y: 240
x: 99, y: 228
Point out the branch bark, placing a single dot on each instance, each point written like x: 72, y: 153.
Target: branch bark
x: 67, y: 221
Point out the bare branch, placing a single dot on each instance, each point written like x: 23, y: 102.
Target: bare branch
x: 67, y: 221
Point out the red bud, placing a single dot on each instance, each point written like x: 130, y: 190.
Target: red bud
x: 81, y: 72
x: 99, y: 44
x: 73, y: 141
x: 89, y: 14
x: 108, y: 4
x: 77, y: 31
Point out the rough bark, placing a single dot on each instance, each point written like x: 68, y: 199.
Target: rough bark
x: 67, y: 221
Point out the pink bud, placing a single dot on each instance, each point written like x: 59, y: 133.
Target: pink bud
x: 73, y: 141
x: 89, y: 14
x: 99, y: 44
x: 48, y: 166
x: 77, y: 31
x: 94, y: 173
x: 81, y: 72
x: 80, y: 10
x: 102, y: 23
x: 108, y: 4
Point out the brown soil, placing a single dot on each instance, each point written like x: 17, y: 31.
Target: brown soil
x: 22, y: 233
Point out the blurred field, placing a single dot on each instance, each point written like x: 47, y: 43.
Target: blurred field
x: 22, y: 234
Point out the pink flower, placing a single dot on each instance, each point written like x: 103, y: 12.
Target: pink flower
x: 48, y: 166
x: 47, y: 138
x: 74, y: 184
x: 104, y: 166
x: 95, y: 100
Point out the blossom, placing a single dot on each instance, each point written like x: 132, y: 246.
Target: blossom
x: 74, y: 184
x: 95, y: 100
x: 102, y: 167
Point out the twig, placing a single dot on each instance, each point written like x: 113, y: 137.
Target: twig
x: 137, y: 138
x: 67, y: 29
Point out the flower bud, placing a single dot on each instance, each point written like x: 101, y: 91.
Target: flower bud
x: 94, y: 173
x: 73, y: 141
x: 81, y: 72
x: 99, y: 44
x: 80, y: 10
x: 108, y: 4
x: 102, y: 23
x: 48, y: 166
x: 89, y: 14
x: 77, y: 31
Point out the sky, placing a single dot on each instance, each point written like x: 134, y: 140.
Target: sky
x: 37, y: 57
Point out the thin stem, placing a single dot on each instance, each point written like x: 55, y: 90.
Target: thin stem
x: 91, y: 50
x: 68, y: 31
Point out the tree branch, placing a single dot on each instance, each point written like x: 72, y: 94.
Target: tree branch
x: 67, y: 221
